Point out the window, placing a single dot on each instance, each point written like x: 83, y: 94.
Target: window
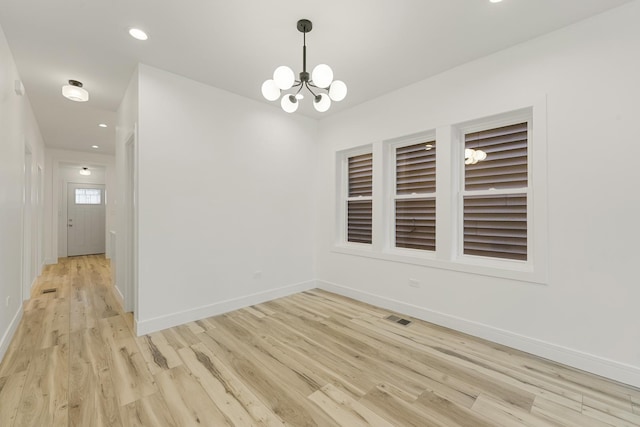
x: 359, y: 198
x: 495, y: 192
x: 468, y: 196
x: 415, y: 201
x: 88, y: 196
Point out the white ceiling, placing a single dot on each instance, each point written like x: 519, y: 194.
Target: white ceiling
x: 375, y: 46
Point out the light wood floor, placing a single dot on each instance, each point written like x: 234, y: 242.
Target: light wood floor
x: 312, y: 359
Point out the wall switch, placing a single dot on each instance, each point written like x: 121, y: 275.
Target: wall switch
x: 414, y: 283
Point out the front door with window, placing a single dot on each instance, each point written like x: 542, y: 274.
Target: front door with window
x: 85, y: 219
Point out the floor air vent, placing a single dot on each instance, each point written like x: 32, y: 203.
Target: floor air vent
x: 399, y: 320
x: 49, y: 291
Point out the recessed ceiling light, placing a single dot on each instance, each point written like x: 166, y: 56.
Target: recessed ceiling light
x: 495, y: 1
x: 137, y: 33
x: 95, y: 146
x: 102, y: 125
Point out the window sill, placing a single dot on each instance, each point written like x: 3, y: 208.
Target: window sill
x: 504, y: 269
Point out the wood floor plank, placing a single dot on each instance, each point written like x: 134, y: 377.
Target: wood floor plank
x: 397, y: 411
x: 562, y: 415
x: 45, y: 394
x: 188, y: 402
x: 131, y: 377
x: 157, y: 352
x: 345, y: 410
x: 231, y: 383
x: 286, y: 402
x: 151, y: 410
x: 10, y: 395
x: 502, y: 414
x: 204, y: 371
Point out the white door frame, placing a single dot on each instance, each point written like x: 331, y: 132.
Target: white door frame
x: 130, y: 235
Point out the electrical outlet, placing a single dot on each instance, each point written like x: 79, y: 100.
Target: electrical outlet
x: 414, y: 283
x: 8, y: 300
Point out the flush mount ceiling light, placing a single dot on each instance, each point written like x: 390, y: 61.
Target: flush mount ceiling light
x: 321, y: 79
x: 103, y: 125
x: 138, y: 34
x: 85, y: 171
x: 95, y: 146
x: 75, y: 92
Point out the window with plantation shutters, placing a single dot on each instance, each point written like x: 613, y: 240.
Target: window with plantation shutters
x: 359, y: 198
x: 495, y: 192
x: 415, y: 203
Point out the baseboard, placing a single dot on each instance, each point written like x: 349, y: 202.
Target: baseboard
x: 11, y: 330
x: 147, y: 326
x: 50, y: 261
x: 604, y: 367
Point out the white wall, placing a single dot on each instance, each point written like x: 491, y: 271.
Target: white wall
x: 587, y: 314
x: 57, y: 175
x: 18, y: 128
x: 226, y: 201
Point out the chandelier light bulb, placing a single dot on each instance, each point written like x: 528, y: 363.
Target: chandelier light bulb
x: 337, y: 90
x: 468, y: 153
x: 284, y: 77
x: 289, y: 103
x: 322, y: 76
x: 479, y: 155
x: 270, y: 90
x: 322, y: 102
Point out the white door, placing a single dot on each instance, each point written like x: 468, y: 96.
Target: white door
x: 85, y: 219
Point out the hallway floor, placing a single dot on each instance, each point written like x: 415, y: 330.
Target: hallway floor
x: 311, y: 359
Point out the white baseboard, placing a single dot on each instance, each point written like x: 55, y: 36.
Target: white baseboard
x: 608, y: 368
x: 11, y: 330
x: 50, y: 261
x: 147, y: 326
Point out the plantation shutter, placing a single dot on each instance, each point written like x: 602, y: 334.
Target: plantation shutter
x: 359, y: 212
x: 416, y: 224
x: 496, y: 225
x: 415, y: 209
x: 416, y: 169
x: 506, y: 162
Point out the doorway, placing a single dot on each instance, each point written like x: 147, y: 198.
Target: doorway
x: 85, y: 219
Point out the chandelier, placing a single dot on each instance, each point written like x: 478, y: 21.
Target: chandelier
x: 321, y: 84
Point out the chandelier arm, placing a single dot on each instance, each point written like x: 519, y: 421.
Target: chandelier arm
x: 309, y: 89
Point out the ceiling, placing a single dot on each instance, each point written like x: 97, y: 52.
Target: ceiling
x: 374, y: 46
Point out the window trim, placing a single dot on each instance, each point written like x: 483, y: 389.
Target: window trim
x: 478, y: 125
x: 343, y: 199
x: 392, y: 196
x: 448, y: 212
